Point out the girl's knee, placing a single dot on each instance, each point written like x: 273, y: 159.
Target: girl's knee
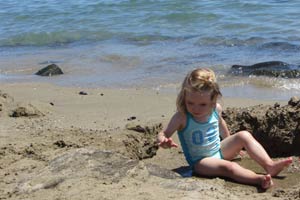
x: 230, y: 168
x: 244, y: 136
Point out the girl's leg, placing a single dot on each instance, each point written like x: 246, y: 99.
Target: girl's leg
x: 224, y: 168
x: 233, y: 144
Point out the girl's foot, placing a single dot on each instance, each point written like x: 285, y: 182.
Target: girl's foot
x: 278, y: 166
x: 267, y: 182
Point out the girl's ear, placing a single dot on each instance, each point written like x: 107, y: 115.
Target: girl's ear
x: 214, y: 104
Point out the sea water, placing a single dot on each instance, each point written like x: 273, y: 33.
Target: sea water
x: 150, y: 43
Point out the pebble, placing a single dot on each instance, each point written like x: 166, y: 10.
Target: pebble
x: 83, y: 93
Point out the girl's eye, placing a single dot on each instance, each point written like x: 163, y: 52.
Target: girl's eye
x: 190, y: 103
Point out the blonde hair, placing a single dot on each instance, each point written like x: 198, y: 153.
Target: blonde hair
x: 198, y: 80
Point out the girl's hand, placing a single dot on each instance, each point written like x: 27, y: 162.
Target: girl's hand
x: 167, y: 143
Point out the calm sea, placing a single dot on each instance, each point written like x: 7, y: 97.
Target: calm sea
x: 150, y: 43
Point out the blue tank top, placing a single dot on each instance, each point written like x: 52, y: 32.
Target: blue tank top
x: 200, y: 140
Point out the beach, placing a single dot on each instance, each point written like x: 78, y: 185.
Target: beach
x: 66, y: 145
x: 90, y: 133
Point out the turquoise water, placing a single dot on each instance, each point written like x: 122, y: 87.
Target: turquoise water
x: 149, y: 43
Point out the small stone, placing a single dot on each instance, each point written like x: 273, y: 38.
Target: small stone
x: 83, y: 93
x: 131, y: 118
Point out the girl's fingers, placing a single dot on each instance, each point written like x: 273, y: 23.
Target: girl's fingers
x: 172, y: 143
x: 167, y: 143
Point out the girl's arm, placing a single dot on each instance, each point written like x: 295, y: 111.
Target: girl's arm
x: 164, y: 137
x: 222, y: 124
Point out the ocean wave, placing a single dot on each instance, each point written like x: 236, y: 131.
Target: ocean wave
x: 227, y: 41
x: 147, y: 39
x: 280, y: 46
x: 53, y: 38
x: 60, y: 38
x: 260, y: 43
x: 291, y: 86
x: 263, y: 82
x: 288, y: 84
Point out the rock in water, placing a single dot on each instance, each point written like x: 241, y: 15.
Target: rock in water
x: 50, y: 70
x: 269, y: 68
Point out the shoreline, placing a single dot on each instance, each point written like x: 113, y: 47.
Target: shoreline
x: 101, y: 66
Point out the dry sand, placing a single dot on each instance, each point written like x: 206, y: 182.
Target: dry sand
x: 71, y: 146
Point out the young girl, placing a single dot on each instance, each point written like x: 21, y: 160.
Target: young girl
x: 199, y: 124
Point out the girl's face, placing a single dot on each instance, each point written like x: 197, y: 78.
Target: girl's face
x: 199, y: 104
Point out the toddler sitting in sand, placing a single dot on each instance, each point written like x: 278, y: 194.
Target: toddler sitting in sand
x: 199, y: 125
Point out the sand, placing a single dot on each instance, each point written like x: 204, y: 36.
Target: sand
x: 59, y: 144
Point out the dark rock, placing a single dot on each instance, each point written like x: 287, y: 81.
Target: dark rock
x: 50, y: 70
x: 247, y: 69
x: 270, y: 68
x: 274, y: 73
x: 131, y: 118
x: 83, y: 93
